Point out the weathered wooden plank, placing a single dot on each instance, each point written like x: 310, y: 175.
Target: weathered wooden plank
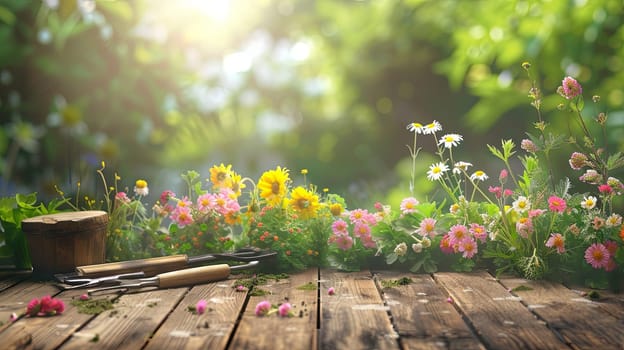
x: 355, y: 317
x: 51, y: 332
x: 211, y: 330
x: 16, y: 298
x: 582, y: 322
x: 498, y: 317
x: 130, y: 324
x: 273, y: 332
x: 422, y: 315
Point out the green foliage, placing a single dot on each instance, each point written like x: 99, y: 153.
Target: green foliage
x: 14, y: 246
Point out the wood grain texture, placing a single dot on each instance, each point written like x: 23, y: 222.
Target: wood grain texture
x: 422, y: 315
x: 498, y: 317
x: 211, y: 330
x: 582, y: 322
x: 355, y: 317
x: 130, y: 324
x: 273, y: 332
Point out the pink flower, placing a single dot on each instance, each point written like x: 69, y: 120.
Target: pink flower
x: 122, y: 197
x: 182, y: 216
x: 449, y: 300
x: 206, y: 202
x: 468, y: 247
x: 496, y: 190
x: 597, y: 255
x: 457, y: 233
x: 284, y: 310
x: 84, y: 297
x: 368, y: 242
x: 445, y: 245
x: 570, y: 88
x: 478, y: 231
x: 503, y: 175
x: 361, y: 229
x: 339, y: 227
x: 536, y: 212
x: 524, y: 227
x: 556, y: 240
x: 13, y: 317
x: 46, y: 306
x: 165, y: 196
x: 408, y: 205
x: 263, y: 308
x: 528, y: 146
x: 507, y: 192
x: 201, y: 306
x: 331, y: 291
x: 577, y: 160
x: 240, y: 288
x: 605, y: 189
x: 344, y: 242
x: 556, y: 204
x: 427, y: 227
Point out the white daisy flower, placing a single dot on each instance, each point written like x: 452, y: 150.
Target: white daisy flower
x: 521, y: 204
x: 479, y: 175
x: 432, y: 128
x: 436, y: 171
x: 415, y: 127
x: 461, y: 166
x: 450, y: 140
x: 614, y: 220
x: 589, y: 202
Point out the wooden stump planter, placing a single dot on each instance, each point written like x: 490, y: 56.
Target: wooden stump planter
x: 59, y: 242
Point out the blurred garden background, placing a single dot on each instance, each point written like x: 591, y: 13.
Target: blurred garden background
x: 155, y: 88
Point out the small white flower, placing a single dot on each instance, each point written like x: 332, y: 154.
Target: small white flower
x: 614, y: 220
x: 140, y: 188
x: 436, y: 171
x: 461, y: 166
x: 415, y: 127
x: 521, y: 204
x: 479, y: 175
x: 450, y: 140
x: 401, y: 249
x: 417, y: 247
x: 431, y: 128
x: 588, y: 202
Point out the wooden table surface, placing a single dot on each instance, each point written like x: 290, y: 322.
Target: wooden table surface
x: 440, y: 311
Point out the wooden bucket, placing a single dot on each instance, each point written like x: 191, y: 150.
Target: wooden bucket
x: 59, y: 242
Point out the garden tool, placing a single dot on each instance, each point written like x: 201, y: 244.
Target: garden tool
x: 154, y: 266
x: 179, y: 278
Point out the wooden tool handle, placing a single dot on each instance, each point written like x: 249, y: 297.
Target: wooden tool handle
x: 194, y: 275
x: 150, y: 267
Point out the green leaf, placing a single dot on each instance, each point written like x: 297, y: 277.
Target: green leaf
x: 26, y: 200
x: 391, y: 258
x: 121, y: 9
x: 6, y: 16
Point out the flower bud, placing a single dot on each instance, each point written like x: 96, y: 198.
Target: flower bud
x: 528, y: 146
x: 417, y: 247
x: 426, y: 242
x: 578, y: 160
x: 526, y: 65
x: 400, y: 249
x: 596, y: 98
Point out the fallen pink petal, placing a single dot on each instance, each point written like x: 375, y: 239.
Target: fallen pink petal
x: 284, y: 309
x: 13, y: 317
x: 449, y: 300
x: 331, y: 291
x: 201, y: 306
x: 263, y: 308
x: 84, y: 297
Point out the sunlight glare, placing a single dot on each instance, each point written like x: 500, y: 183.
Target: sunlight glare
x: 217, y: 10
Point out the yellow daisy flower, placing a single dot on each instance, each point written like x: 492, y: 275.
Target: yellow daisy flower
x: 221, y: 176
x: 305, y: 202
x: 272, y: 185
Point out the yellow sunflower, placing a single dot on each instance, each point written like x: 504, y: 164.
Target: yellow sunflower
x: 272, y: 185
x: 305, y: 202
x: 221, y: 176
x: 236, y: 184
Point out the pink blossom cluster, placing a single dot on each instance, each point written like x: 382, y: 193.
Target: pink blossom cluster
x: 463, y: 239
x: 361, y: 222
x: 184, y: 212
x: 46, y: 306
